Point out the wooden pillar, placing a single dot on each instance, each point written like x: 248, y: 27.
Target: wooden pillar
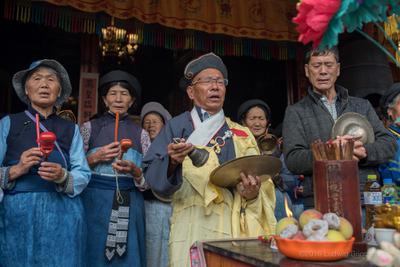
x: 297, y: 82
x: 88, y: 82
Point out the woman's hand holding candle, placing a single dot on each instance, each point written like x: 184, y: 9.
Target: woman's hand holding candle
x: 105, y: 153
x: 29, y: 158
x: 128, y: 167
x: 50, y: 171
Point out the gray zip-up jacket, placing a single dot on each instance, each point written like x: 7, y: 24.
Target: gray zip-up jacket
x: 309, y: 120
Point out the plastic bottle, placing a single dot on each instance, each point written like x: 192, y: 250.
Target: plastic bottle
x: 389, y: 192
x: 372, y: 196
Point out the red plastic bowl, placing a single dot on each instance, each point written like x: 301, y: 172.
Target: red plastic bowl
x: 314, y: 250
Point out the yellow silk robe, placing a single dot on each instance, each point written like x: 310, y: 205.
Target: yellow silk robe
x: 204, y: 211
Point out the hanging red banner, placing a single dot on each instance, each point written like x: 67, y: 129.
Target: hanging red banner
x: 87, y: 106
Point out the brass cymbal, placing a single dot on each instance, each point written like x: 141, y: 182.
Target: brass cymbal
x: 352, y: 123
x: 228, y: 174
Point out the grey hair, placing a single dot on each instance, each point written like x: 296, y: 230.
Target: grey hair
x: 322, y: 52
x: 51, y: 70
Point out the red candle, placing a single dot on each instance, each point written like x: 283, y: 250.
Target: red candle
x: 37, y: 130
x: 116, y: 127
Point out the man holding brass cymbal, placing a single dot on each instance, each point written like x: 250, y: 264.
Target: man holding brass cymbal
x: 313, y: 117
x: 201, y: 209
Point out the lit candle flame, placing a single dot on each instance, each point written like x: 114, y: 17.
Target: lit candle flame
x: 289, y: 213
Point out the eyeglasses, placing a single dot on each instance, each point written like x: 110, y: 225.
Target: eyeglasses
x: 210, y: 80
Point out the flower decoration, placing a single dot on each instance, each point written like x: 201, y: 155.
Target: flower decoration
x: 313, y: 19
x: 321, y: 21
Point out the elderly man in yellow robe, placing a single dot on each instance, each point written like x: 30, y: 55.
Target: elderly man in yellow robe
x: 202, y: 210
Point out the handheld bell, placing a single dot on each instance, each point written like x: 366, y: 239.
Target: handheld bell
x: 125, y: 145
x: 199, y: 156
x: 46, y: 143
x: 267, y: 143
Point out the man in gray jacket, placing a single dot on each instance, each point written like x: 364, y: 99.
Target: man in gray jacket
x: 313, y: 117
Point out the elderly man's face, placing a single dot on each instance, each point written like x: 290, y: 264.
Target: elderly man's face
x: 394, y: 112
x: 322, y: 72
x: 43, y: 87
x: 208, y: 94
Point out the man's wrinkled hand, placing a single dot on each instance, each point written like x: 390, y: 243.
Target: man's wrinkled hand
x: 249, y: 186
x: 178, y: 151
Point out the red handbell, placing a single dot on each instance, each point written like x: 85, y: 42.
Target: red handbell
x: 46, y: 143
x: 125, y: 145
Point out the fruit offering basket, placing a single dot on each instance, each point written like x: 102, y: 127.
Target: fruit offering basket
x: 314, y: 250
x: 315, y: 236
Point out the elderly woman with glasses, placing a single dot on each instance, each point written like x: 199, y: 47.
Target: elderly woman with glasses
x: 41, y: 213
x: 113, y: 200
x: 158, y: 210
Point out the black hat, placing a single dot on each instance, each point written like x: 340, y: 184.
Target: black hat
x: 389, y: 96
x: 207, y: 61
x: 252, y: 103
x: 120, y: 76
x: 19, y: 80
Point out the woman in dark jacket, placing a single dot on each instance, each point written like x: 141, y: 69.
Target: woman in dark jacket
x: 113, y: 200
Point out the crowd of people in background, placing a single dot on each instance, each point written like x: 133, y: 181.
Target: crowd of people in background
x: 99, y: 200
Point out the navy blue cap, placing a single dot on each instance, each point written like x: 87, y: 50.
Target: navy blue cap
x: 207, y: 61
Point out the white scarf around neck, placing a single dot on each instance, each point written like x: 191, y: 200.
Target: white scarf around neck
x: 204, y: 131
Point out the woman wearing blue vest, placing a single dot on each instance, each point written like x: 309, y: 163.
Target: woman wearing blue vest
x: 42, y: 220
x: 113, y: 201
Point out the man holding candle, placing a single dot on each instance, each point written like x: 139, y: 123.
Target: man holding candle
x: 313, y: 117
x: 41, y: 214
x: 113, y: 201
x: 202, y: 210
